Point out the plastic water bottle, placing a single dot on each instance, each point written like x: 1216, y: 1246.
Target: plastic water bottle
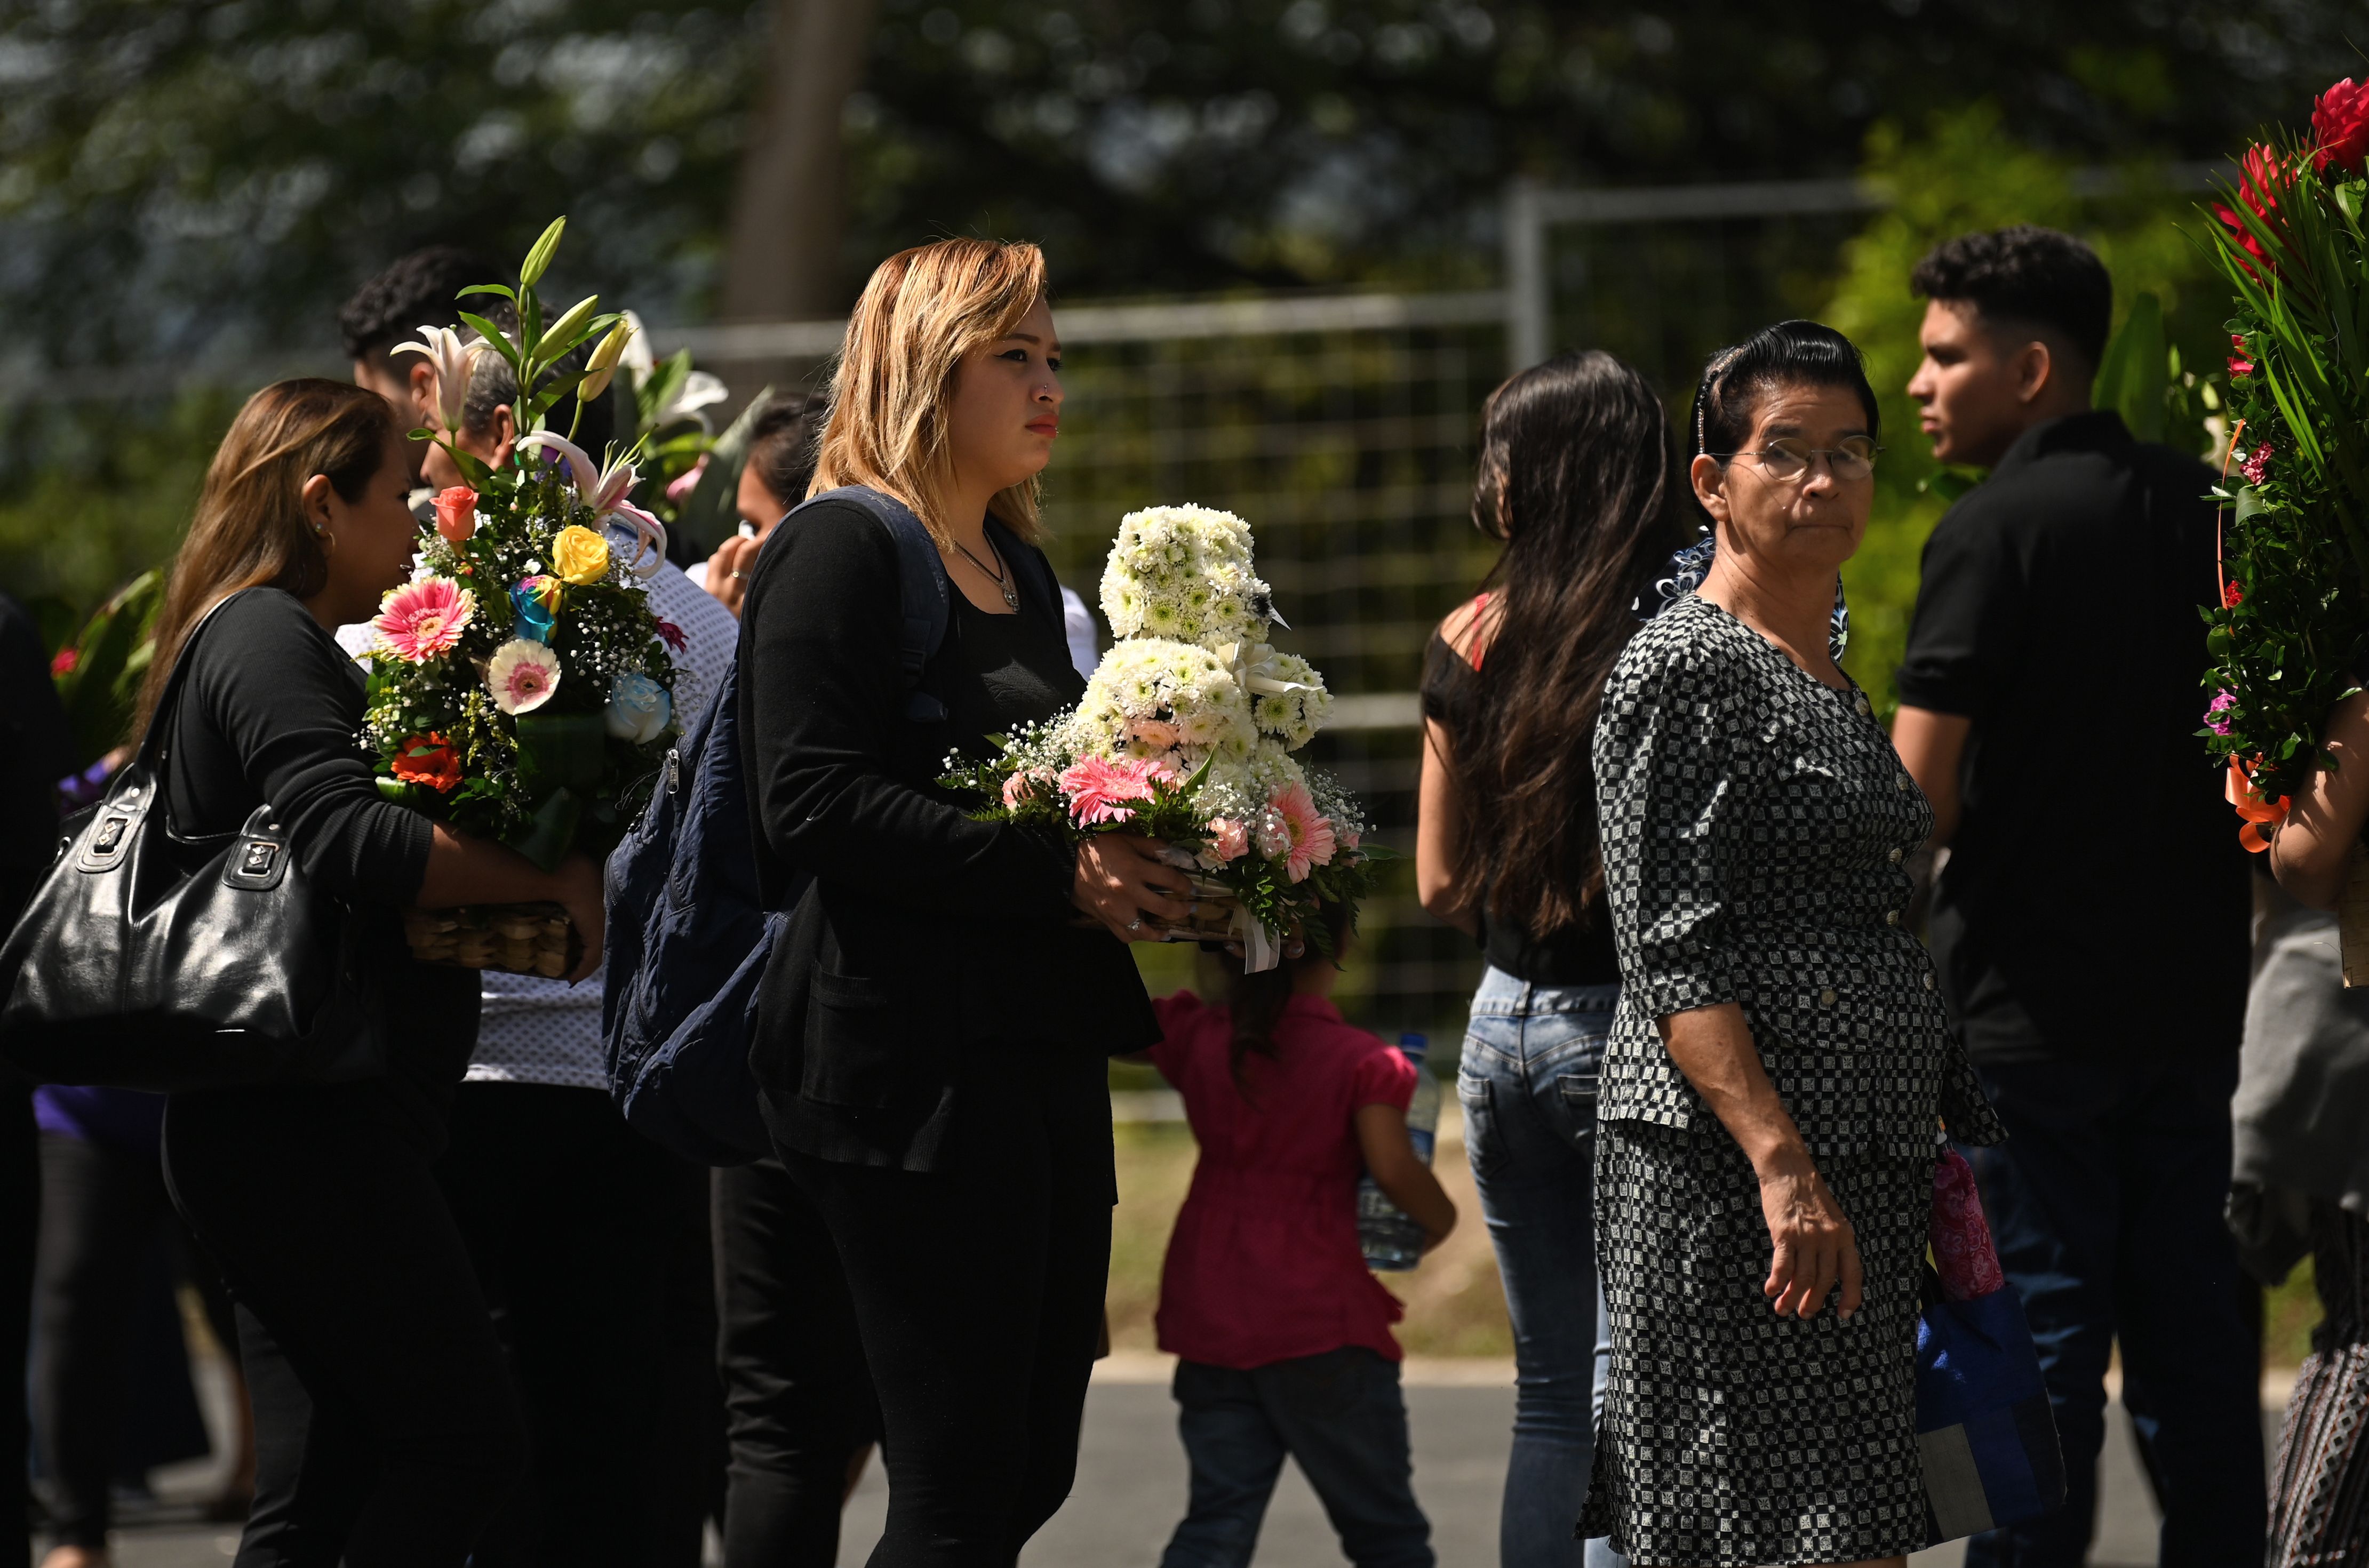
x: 1390, y: 1239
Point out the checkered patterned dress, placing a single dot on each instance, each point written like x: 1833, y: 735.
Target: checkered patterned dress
x: 1755, y: 823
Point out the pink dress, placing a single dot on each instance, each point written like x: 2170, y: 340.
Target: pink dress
x: 1264, y: 1265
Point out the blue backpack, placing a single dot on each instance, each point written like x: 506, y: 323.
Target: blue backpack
x: 689, y: 932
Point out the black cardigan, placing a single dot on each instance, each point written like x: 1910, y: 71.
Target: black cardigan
x: 926, y: 937
x: 271, y: 711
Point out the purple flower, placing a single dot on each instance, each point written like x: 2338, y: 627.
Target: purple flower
x: 2222, y: 702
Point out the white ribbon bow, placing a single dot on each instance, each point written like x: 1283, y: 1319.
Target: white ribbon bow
x: 1252, y: 666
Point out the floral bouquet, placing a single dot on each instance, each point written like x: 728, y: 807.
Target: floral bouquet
x: 1185, y: 735
x: 520, y: 686
x: 2288, y: 635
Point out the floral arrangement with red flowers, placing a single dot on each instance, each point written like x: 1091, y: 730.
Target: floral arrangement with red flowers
x: 2288, y: 636
x: 521, y: 685
x: 1185, y: 735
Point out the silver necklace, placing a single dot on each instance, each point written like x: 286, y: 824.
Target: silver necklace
x: 1002, y: 580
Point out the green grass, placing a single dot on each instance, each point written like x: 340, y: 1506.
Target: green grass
x: 2289, y: 1313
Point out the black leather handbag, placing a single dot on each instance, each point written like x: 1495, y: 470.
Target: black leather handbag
x: 153, y: 960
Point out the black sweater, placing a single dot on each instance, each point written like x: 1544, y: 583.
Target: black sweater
x: 271, y: 711
x: 928, y: 940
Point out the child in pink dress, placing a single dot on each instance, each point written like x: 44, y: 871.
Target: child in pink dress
x: 1284, y: 1337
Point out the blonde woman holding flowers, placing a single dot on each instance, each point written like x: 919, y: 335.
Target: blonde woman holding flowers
x: 386, y: 1428
x: 936, y: 1020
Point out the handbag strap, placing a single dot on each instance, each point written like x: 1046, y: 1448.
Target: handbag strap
x: 154, y: 749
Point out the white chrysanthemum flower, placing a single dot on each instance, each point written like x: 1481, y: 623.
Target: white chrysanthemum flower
x: 1184, y: 573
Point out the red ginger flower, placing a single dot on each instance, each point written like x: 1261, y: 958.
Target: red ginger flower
x: 2340, y: 129
x: 2261, y: 179
x: 63, y: 664
x: 2232, y: 595
x: 2238, y: 363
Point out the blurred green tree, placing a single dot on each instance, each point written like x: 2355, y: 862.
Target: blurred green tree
x: 201, y: 183
x: 222, y: 172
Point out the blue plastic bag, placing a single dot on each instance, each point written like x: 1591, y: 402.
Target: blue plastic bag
x: 1984, y: 1427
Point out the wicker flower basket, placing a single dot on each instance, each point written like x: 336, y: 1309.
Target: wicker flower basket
x: 524, y: 939
x: 1217, y: 915
x: 1212, y: 920
x: 2352, y: 921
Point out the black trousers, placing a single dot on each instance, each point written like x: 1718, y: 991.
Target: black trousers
x: 591, y: 1245
x: 20, y: 1199
x: 978, y: 1295
x: 797, y: 1395
x: 386, y: 1430
x: 101, y: 1211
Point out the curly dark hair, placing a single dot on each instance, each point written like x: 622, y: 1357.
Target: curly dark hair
x: 421, y: 289
x: 2027, y: 276
x: 781, y: 444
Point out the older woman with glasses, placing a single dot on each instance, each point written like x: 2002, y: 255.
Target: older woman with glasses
x: 1779, y: 1065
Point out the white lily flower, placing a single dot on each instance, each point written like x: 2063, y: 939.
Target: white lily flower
x: 639, y: 361
x: 600, y: 488
x: 649, y: 539
x: 699, y: 390
x: 454, y: 361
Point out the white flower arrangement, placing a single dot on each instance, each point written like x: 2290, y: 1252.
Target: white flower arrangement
x: 1154, y: 698
x: 1185, y: 733
x: 1184, y: 574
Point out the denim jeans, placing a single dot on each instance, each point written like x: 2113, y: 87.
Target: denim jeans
x: 1340, y: 1414
x: 1527, y: 1087
x: 2106, y: 1203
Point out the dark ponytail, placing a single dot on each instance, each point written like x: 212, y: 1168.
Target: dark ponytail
x: 1255, y: 1001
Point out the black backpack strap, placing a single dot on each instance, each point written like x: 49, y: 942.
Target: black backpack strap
x: 923, y: 591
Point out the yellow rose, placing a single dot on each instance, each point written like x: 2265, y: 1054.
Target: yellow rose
x: 579, y: 555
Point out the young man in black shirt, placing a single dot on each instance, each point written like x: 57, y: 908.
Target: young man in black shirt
x: 2091, y: 922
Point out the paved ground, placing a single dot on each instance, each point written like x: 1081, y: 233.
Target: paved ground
x: 1131, y: 1489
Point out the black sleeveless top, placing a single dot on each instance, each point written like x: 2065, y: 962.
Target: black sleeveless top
x: 1578, y: 954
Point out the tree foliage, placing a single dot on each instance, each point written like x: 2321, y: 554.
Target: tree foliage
x: 222, y: 172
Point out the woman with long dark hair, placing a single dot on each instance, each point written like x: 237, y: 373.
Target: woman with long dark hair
x: 1579, y: 479
x: 385, y: 1429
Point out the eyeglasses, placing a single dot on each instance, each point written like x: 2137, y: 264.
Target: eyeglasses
x: 1787, y: 460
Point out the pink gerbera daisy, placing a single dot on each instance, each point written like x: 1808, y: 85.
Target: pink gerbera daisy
x: 1096, y: 787
x: 523, y: 675
x: 1311, y: 841
x: 424, y: 620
